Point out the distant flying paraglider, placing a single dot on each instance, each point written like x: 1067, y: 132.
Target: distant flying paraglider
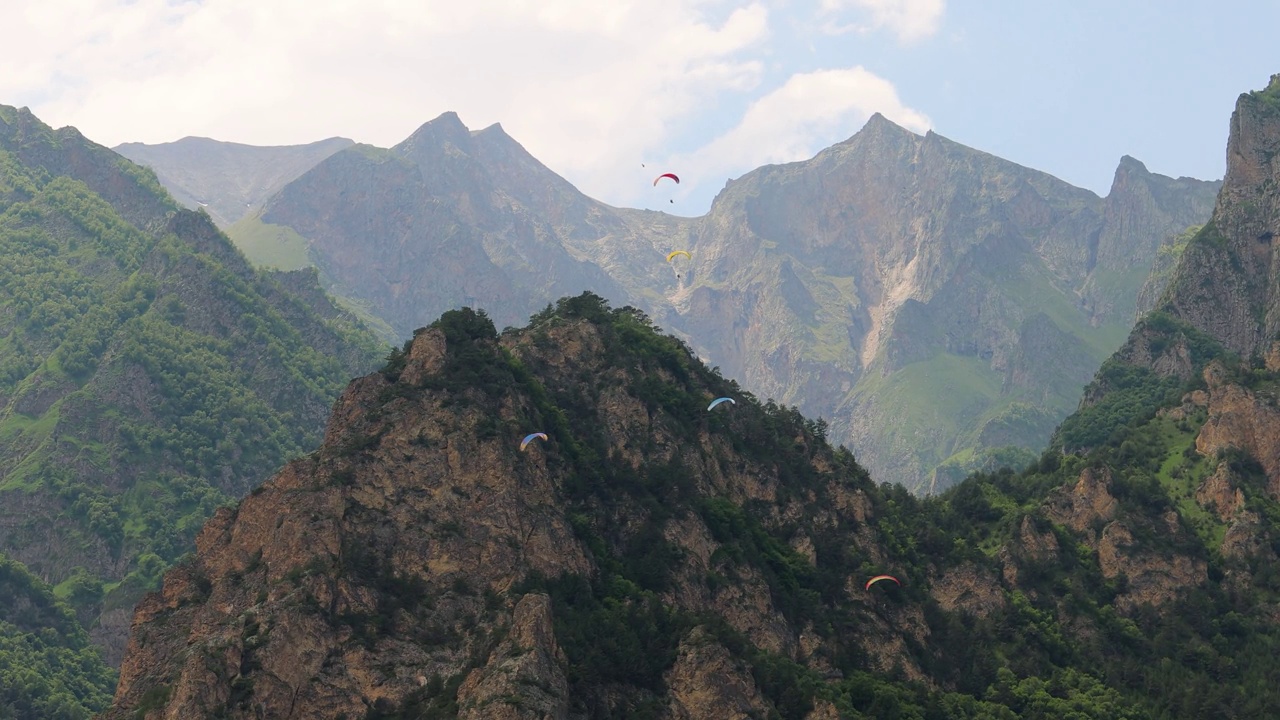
x: 717, y: 401
x: 878, y: 578
x: 673, y: 176
x: 671, y: 255
x: 528, y: 439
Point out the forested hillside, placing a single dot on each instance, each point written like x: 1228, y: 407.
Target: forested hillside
x: 48, y: 668
x: 147, y: 373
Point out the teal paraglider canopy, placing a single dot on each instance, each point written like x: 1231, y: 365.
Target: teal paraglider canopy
x: 529, y: 438
x: 717, y: 401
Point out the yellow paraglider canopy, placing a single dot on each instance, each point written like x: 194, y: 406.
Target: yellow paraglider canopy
x: 678, y: 252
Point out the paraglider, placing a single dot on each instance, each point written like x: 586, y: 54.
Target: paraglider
x: 717, y: 401
x: 666, y: 175
x: 878, y: 578
x: 524, y: 443
x: 674, y: 253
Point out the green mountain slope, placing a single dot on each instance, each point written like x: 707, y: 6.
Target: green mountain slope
x: 48, y: 668
x: 147, y: 373
x: 651, y: 558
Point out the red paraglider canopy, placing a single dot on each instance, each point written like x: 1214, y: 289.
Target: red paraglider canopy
x: 878, y: 578
x: 670, y: 175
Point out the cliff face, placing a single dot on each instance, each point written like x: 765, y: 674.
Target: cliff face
x: 395, y: 565
x: 648, y: 557
x: 1225, y: 285
x: 1215, y: 324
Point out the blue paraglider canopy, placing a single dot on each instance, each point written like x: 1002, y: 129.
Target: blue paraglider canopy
x: 529, y: 438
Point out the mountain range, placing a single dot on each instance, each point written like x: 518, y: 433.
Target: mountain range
x: 940, y: 307
x: 648, y: 555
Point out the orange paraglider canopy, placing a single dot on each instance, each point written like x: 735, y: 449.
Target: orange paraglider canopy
x: 878, y: 578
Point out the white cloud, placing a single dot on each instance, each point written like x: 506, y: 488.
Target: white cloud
x: 591, y: 88
x: 581, y: 83
x: 807, y: 113
x: 910, y: 19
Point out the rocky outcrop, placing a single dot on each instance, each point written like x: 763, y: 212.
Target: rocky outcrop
x: 1240, y: 418
x: 1089, y: 509
x: 1220, y: 494
x: 1225, y: 285
x: 1246, y: 537
x: 1153, y: 578
x: 968, y: 589
x: 524, y: 677
x: 707, y: 683
x: 1085, y: 505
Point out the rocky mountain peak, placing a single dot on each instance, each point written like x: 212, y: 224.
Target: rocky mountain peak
x: 445, y: 128
x: 878, y: 131
x: 1253, y: 147
x: 1226, y: 284
x: 1129, y: 166
x: 878, y: 123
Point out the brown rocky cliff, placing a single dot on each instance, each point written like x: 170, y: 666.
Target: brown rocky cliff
x: 298, y: 575
x: 383, y: 572
x: 1089, y: 509
x: 524, y: 677
x: 1241, y: 418
x: 1085, y: 504
x: 707, y: 683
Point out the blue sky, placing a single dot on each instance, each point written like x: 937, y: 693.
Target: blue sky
x: 1070, y: 87
x: 706, y: 88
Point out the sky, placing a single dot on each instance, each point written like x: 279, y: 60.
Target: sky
x: 609, y: 93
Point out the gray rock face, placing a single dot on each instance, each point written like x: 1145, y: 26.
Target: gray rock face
x: 916, y: 293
